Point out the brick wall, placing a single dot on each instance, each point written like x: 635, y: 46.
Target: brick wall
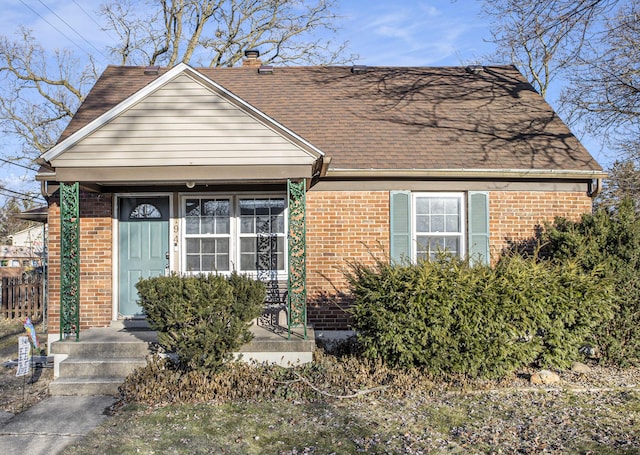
x: 351, y: 226
x: 341, y: 227
x: 95, y: 261
x: 515, y: 215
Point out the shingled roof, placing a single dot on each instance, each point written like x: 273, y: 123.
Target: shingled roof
x: 390, y: 118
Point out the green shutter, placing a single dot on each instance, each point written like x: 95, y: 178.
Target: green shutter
x: 479, y: 227
x: 400, y: 224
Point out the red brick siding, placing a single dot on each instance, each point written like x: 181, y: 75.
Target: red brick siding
x: 348, y: 226
x: 96, y: 238
x: 341, y: 227
x: 514, y: 215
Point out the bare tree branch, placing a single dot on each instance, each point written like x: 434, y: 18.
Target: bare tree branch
x: 38, y: 95
x: 543, y: 38
x: 40, y: 92
x: 604, y: 90
x: 594, y: 46
x: 217, y: 32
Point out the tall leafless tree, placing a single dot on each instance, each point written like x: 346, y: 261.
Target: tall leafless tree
x: 38, y: 93
x: 543, y: 38
x: 603, y: 92
x: 217, y: 32
x: 593, y: 47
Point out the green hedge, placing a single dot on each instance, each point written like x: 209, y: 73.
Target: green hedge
x: 477, y: 321
x: 608, y: 240
x: 202, y: 319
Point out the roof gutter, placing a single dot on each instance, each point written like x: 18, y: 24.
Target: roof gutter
x: 468, y: 173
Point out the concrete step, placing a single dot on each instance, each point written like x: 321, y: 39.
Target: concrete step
x: 112, y: 368
x: 98, y: 363
x: 277, y: 346
x: 277, y: 339
x: 284, y: 345
x: 85, y: 386
x: 105, y: 349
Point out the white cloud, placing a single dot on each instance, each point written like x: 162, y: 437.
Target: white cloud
x: 417, y: 33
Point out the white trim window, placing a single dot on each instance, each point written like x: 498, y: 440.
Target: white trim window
x: 262, y: 234
x: 207, y: 234
x: 438, y: 224
x: 242, y: 233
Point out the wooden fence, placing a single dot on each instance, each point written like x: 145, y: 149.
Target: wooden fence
x: 22, y: 297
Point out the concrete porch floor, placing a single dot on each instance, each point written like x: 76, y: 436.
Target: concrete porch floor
x: 270, y: 343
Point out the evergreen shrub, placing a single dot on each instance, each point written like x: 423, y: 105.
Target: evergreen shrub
x: 608, y: 240
x: 477, y: 321
x: 201, y: 319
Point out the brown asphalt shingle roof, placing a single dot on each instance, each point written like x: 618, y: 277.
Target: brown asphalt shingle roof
x: 390, y: 118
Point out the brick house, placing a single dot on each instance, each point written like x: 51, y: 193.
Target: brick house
x: 195, y: 170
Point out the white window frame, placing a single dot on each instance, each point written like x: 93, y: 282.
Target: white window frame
x: 461, y: 234
x: 185, y: 236
x: 234, y: 231
x: 241, y: 235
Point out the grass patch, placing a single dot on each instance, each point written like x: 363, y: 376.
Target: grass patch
x: 10, y: 330
x: 262, y: 409
x: 506, y: 421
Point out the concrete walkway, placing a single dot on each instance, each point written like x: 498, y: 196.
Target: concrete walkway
x: 52, y: 424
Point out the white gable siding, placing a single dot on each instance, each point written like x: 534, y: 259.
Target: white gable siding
x: 183, y: 123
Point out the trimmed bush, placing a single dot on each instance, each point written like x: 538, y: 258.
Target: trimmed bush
x: 476, y: 321
x: 202, y: 319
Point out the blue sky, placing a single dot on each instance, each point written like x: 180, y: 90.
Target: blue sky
x: 381, y: 32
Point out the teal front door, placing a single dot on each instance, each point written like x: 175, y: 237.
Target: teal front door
x: 143, y: 246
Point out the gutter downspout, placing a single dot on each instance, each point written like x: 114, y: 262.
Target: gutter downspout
x: 595, y: 186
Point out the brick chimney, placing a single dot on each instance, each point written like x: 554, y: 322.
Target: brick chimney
x: 251, y: 59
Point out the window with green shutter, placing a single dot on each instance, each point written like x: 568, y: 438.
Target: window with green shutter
x: 423, y: 224
x: 400, y: 223
x: 479, y: 227
x: 438, y: 224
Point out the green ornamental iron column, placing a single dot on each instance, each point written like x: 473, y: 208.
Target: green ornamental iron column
x: 297, y: 289
x: 69, y: 260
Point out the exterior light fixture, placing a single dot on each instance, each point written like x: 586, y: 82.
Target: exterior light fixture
x: 190, y: 184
